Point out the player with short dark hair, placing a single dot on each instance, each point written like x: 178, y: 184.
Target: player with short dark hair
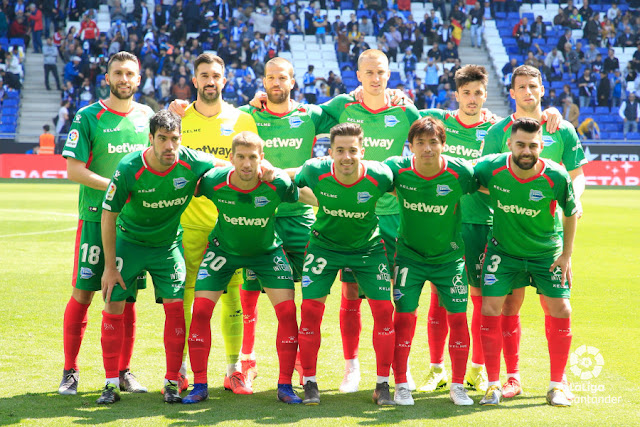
x: 141, y: 232
x: 101, y: 135
x: 430, y: 186
x: 346, y: 235
x: 526, y: 248
x: 245, y: 237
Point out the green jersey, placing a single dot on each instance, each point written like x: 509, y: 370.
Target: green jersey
x: 430, y: 218
x: 465, y: 142
x: 289, y: 140
x: 346, y: 218
x: 562, y: 147
x: 151, y: 202
x: 524, y: 210
x: 385, y: 133
x: 101, y: 137
x: 246, y: 225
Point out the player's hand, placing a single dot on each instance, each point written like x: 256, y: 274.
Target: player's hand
x: 489, y: 116
x: 564, y: 264
x: 358, y: 94
x: 110, y: 278
x: 178, y: 106
x: 579, y: 210
x: 267, y: 171
x: 258, y: 99
x: 553, y: 118
x: 398, y: 97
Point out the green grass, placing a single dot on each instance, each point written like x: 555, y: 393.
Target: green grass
x: 37, y: 223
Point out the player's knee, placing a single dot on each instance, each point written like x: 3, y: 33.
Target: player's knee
x: 82, y: 296
x: 350, y: 291
x: 560, y: 308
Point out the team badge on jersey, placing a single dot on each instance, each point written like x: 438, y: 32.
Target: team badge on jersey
x: 72, y: 138
x: 480, y: 134
x: 490, y: 279
x: 306, y: 281
x: 111, y: 191
x: 535, y: 195
x: 443, y: 190
x: 179, y: 183
x: 363, y: 196
x: 260, y: 201
x: 390, y: 121
x: 294, y: 122
x: 203, y: 274
x: 397, y: 294
x: 547, y: 140
x: 225, y: 130
x: 140, y: 128
x: 86, y: 273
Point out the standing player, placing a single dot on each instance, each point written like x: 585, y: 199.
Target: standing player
x: 245, y: 237
x: 525, y: 247
x: 385, y: 133
x: 100, y: 136
x: 430, y: 187
x: 141, y: 232
x: 289, y: 130
x: 563, y: 147
x: 209, y: 125
x: 346, y: 235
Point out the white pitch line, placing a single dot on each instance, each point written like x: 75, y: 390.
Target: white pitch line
x: 39, y: 232
x: 40, y: 212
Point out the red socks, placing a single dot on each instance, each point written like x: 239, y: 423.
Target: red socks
x: 200, y: 338
x: 490, y: 331
x: 350, y: 327
x: 559, y: 346
x: 384, y: 335
x: 477, y: 356
x: 286, y: 339
x: 511, y: 332
x: 458, y: 346
x: 309, y: 336
x: 437, y: 330
x: 111, y: 339
x: 75, y: 323
x: 405, y: 326
x: 174, y: 336
x: 249, y: 301
x: 130, y: 317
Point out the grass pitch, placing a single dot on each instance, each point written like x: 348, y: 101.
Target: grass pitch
x: 37, y: 229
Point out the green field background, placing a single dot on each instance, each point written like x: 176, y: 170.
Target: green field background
x: 37, y: 231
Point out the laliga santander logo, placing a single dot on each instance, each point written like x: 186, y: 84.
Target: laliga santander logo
x: 586, y: 362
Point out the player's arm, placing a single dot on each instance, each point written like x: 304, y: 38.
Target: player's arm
x: 179, y: 106
x: 77, y: 171
x: 493, y: 142
x: 258, y: 100
x: 579, y: 184
x: 292, y: 172
x: 307, y: 197
x: 111, y: 276
x: 570, y: 225
x: 553, y: 117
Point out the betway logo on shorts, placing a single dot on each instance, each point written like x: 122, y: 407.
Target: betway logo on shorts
x: 460, y: 150
x: 165, y: 203
x: 378, y: 142
x: 344, y: 214
x: 124, y: 148
x: 518, y: 210
x: 241, y: 220
x: 423, y: 207
x: 283, y: 142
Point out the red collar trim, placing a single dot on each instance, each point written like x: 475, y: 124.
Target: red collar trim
x: 428, y: 178
x: 333, y: 173
x: 114, y: 111
x: 457, y: 117
x: 239, y: 189
x: 524, y: 181
x: 153, y: 171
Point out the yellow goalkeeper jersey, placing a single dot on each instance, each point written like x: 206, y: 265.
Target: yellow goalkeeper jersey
x: 211, y: 135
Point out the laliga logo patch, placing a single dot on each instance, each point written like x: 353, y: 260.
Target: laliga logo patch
x: 294, y: 122
x: 363, y: 196
x: 443, y: 190
x: 306, y: 281
x: 251, y: 275
x: 390, y: 121
x: 111, y: 191
x: 397, y: 294
x: 547, y: 140
x: 72, y: 138
x: 179, y: 183
x: 480, y: 134
x: 535, y: 195
x: 86, y: 273
x: 490, y: 279
x: 225, y: 130
x: 260, y: 201
x: 203, y: 274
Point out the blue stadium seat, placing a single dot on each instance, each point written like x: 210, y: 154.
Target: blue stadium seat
x: 348, y: 74
x: 530, y: 16
x: 10, y: 103
x: 501, y: 15
x: 395, y: 75
x: 13, y: 94
x: 9, y: 111
x: 602, y: 110
x: 616, y: 135
x: 83, y: 103
x: 9, y: 120
x: 16, y: 41
x: 8, y: 128
x: 634, y: 136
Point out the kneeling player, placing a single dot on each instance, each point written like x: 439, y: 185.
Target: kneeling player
x: 244, y: 237
x: 429, y: 186
x: 524, y: 248
x: 346, y: 235
x: 141, y: 232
